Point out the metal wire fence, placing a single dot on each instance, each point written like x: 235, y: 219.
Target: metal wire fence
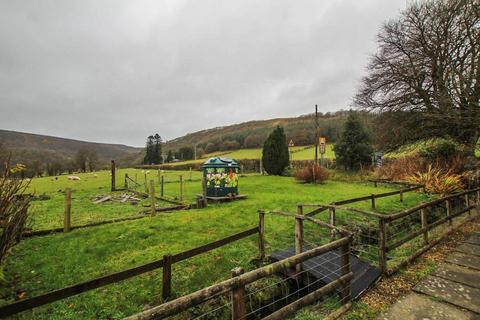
x: 280, y: 286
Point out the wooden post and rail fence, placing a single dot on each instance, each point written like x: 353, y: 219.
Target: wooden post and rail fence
x: 384, y: 221
x: 166, y: 263
x: 236, y: 285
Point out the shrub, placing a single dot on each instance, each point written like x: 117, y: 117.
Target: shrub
x: 403, y: 167
x: 210, y: 147
x: 275, y: 156
x: 13, y: 209
x: 441, y: 150
x: 437, y: 180
x: 399, y: 169
x: 312, y: 173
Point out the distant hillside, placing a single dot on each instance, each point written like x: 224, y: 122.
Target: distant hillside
x: 28, y: 147
x: 252, y: 134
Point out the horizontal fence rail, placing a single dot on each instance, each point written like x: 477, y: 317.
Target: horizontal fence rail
x: 379, y: 195
x: 414, y: 222
x: 430, y: 216
x: 191, y: 300
x: 79, y: 288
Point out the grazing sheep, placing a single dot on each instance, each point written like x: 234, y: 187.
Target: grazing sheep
x: 74, y: 178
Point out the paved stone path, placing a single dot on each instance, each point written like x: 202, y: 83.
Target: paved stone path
x: 451, y: 292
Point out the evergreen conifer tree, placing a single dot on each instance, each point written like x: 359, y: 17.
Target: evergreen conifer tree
x: 275, y: 152
x: 353, y: 149
x: 157, y: 149
x: 149, y: 149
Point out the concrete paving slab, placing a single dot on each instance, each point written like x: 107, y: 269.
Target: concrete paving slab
x: 453, y: 272
x: 420, y: 307
x: 474, y: 239
x: 465, y: 260
x: 468, y: 248
x: 452, y: 292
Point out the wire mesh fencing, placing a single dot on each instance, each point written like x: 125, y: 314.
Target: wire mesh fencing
x: 308, y: 273
x: 410, y: 233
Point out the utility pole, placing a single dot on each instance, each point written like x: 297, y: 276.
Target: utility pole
x: 316, y: 134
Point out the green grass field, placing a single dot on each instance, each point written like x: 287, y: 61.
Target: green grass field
x: 41, y: 264
x: 298, y: 153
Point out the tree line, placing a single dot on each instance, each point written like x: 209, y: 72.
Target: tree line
x: 38, y: 164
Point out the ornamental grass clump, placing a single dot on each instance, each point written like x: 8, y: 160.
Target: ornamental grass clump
x: 438, y: 181
x: 312, y: 173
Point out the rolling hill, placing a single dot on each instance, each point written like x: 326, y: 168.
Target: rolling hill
x: 243, y: 140
x: 252, y: 134
x: 26, y: 147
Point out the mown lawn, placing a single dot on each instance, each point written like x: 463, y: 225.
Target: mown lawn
x: 41, y: 264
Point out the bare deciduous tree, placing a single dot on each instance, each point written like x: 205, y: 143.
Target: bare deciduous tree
x: 428, y: 67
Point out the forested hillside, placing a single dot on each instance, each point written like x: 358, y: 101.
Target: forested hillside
x: 46, y: 153
x: 252, y: 134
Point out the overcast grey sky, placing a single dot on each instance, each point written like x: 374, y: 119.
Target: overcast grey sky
x: 116, y: 71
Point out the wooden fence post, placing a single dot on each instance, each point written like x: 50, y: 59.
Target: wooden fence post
x: 158, y: 176
x: 345, y: 269
x: 401, y: 195
x: 373, y: 201
x: 145, y: 181
x: 126, y: 181
x: 423, y: 214
x: 161, y: 186
x: 467, y: 203
x: 299, y: 239
x: 239, y: 310
x: 113, y: 174
x: 375, y: 183
x: 449, y: 212
x: 382, y: 261
x: 167, y: 277
x: 181, y: 188
x: 204, y: 192
x: 333, y: 222
x: 152, y: 196
x: 68, y: 209
x: 261, y: 234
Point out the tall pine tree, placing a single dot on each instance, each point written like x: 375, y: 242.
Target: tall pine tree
x: 353, y: 148
x: 149, y: 150
x: 275, y: 152
x: 157, y: 149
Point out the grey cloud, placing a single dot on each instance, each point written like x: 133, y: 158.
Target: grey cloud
x: 115, y: 71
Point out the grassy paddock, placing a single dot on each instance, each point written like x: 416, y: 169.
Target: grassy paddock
x: 48, y: 214
x: 41, y: 264
x: 298, y: 153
